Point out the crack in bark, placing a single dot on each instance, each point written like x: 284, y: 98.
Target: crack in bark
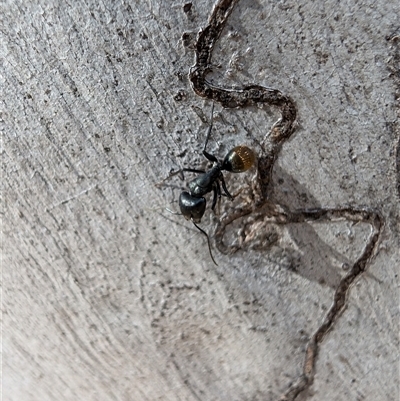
x: 394, y: 67
x: 261, y: 205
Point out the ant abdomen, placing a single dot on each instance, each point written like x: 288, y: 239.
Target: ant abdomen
x: 239, y: 159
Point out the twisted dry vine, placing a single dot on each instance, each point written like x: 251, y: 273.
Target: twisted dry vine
x: 262, y: 206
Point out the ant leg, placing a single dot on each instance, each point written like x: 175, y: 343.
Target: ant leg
x: 181, y: 171
x: 207, y: 155
x: 225, y: 188
x: 216, y: 196
x: 210, y: 157
x: 209, y: 128
x: 192, y: 170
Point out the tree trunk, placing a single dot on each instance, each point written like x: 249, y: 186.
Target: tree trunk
x: 109, y: 293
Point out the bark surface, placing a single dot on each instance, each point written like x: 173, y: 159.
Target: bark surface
x: 106, y: 294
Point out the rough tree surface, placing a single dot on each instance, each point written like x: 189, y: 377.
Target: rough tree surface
x: 107, y: 295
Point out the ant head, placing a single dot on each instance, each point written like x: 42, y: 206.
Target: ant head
x: 239, y: 159
x: 191, y: 207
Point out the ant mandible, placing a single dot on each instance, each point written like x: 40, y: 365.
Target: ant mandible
x: 192, y: 203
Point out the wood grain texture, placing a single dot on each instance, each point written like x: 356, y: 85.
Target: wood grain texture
x: 107, y: 295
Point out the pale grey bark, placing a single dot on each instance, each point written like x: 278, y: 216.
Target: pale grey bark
x: 109, y: 296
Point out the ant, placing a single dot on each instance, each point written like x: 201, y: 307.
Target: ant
x: 192, y: 203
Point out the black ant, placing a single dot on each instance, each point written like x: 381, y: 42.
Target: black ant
x: 192, y: 203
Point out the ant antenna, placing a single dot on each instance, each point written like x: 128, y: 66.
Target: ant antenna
x: 201, y: 230
x: 210, y: 127
x: 208, y: 241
